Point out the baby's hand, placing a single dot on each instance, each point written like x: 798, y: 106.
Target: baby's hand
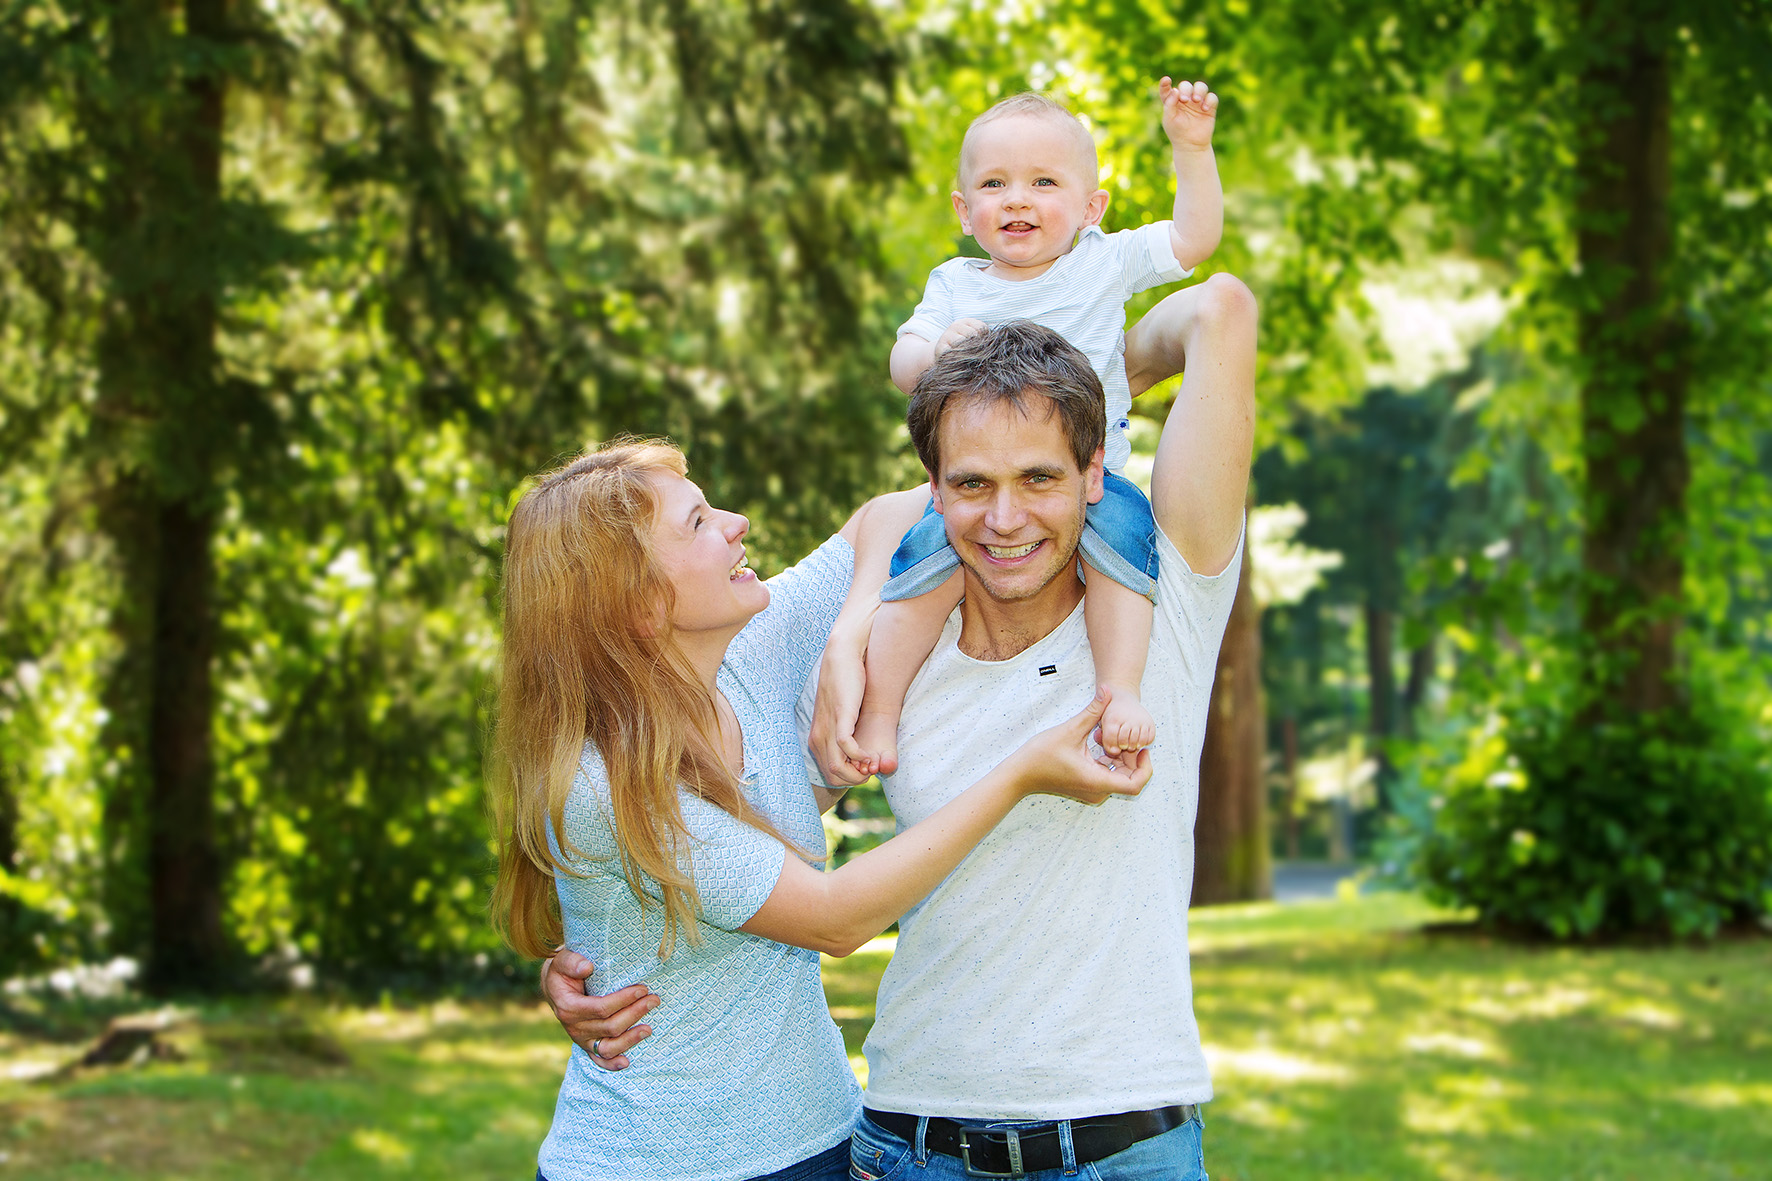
x: 1190, y: 110
x: 958, y: 331
x: 1126, y: 726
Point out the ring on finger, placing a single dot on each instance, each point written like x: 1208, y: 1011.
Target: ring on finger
x: 596, y: 1047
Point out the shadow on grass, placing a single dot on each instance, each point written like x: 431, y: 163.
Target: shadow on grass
x: 1401, y: 1055
x: 1344, y: 1044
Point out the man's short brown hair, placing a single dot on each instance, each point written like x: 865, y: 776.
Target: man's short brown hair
x: 1007, y: 364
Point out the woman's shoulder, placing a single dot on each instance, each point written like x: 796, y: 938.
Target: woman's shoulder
x: 585, y: 820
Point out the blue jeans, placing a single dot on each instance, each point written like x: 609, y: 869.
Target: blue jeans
x: 830, y: 1165
x: 1177, y: 1155
x: 1119, y: 539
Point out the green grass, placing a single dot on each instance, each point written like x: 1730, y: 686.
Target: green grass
x: 1344, y: 1044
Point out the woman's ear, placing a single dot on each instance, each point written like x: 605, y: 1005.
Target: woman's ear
x: 651, y: 624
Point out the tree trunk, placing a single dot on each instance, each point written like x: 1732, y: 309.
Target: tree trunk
x: 1231, y: 860
x: 1634, y: 343
x: 1289, y: 765
x: 158, y: 413
x: 9, y: 906
x: 1421, y: 671
x: 1381, y: 689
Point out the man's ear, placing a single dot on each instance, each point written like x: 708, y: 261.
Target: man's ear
x: 966, y: 218
x: 935, y: 494
x: 1093, y: 476
x: 1093, y: 211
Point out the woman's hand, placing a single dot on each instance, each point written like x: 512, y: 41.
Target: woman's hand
x: 1060, y: 761
x: 603, y: 1026
x: 841, y: 680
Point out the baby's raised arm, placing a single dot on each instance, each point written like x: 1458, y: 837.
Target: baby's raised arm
x: 1190, y: 110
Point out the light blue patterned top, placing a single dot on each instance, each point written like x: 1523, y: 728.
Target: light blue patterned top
x: 744, y: 1073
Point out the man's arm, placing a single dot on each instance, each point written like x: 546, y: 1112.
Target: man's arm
x: 1201, y: 476
x: 603, y: 1026
x: 1190, y: 110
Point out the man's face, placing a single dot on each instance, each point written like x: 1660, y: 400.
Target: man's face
x: 1012, y: 494
x: 1027, y: 189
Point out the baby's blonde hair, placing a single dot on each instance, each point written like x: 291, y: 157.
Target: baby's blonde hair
x: 1040, y: 106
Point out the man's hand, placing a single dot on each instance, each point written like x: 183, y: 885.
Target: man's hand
x: 603, y: 1026
x: 958, y: 331
x: 1190, y: 110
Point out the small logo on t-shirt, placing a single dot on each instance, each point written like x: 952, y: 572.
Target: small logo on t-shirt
x: 1047, y: 670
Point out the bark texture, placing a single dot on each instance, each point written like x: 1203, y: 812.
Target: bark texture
x: 1231, y: 859
x: 1634, y: 340
x: 157, y: 215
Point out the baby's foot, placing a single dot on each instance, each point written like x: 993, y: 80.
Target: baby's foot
x: 876, y: 733
x: 1190, y: 110
x: 1126, y: 725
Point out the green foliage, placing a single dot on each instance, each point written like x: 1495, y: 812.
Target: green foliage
x: 1575, y: 823
x: 455, y: 244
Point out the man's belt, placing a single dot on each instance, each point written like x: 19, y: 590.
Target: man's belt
x: 1009, y: 1152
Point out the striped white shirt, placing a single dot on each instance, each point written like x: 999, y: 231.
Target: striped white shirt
x: 1082, y: 297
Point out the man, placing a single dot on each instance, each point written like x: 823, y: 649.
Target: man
x: 1037, y: 1015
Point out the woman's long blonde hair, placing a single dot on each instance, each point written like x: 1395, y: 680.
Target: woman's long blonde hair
x: 584, y: 659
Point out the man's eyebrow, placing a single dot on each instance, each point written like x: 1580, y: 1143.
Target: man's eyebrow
x: 1041, y: 469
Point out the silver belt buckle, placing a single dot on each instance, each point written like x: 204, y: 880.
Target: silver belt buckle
x: 1011, y: 1140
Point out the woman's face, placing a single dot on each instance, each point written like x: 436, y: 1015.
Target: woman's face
x: 702, y: 551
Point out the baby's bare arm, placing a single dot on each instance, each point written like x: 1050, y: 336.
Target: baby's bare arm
x: 912, y: 355
x: 1190, y: 111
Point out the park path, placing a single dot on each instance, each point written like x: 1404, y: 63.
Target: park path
x: 1304, y: 881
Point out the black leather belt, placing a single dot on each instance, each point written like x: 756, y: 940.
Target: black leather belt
x: 1028, y: 1148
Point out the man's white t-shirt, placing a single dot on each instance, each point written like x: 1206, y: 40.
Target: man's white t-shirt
x: 1047, y: 976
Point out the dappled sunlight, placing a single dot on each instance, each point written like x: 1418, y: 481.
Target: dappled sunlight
x: 1263, y: 924
x: 1519, y: 999
x: 1465, y: 1105
x: 1342, y: 1047
x: 1649, y: 1015
x: 522, y: 1057
x: 382, y: 1146
x: 1263, y: 1062
x: 1453, y: 1045
x: 1726, y: 1096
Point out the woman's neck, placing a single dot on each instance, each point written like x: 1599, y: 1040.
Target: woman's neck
x: 704, y: 653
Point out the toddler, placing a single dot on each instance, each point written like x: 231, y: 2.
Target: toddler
x: 1028, y: 192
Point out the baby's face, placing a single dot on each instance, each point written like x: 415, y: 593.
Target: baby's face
x: 1027, y: 188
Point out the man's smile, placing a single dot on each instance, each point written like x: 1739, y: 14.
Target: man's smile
x: 1011, y: 553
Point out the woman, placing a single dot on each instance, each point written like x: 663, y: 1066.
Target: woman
x: 650, y: 790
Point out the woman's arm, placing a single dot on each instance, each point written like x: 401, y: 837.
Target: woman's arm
x: 838, y: 912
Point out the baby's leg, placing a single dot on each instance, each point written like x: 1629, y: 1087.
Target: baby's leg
x: 1119, y: 623
x: 904, y: 635
x: 1155, y: 346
